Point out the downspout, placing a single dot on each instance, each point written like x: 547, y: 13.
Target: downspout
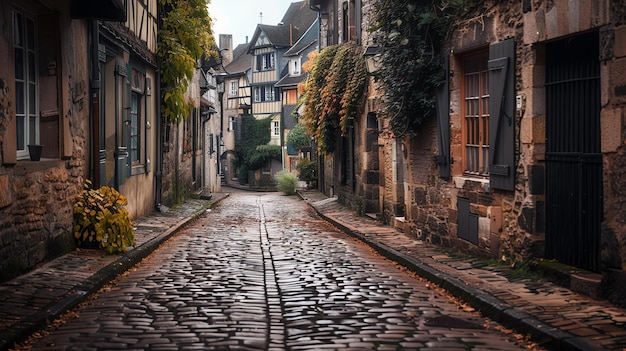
x: 204, y: 152
x: 158, y: 157
x: 116, y: 180
x: 94, y: 121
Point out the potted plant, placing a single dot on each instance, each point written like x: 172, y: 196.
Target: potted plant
x: 35, y: 152
x: 101, y: 220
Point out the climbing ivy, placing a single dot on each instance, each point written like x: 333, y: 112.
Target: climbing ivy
x: 410, y: 35
x: 333, y: 93
x: 184, y: 36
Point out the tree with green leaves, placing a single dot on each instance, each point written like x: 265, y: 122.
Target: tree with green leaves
x: 185, y: 35
x: 298, y: 138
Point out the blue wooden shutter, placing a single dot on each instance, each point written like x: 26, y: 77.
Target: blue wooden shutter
x: 442, y: 159
x: 502, y: 115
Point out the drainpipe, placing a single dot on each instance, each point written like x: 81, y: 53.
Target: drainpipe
x: 158, y: 166
x: 116, y: 181
x: 94, y: 164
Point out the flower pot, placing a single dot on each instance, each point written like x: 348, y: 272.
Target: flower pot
x: 35, y: 152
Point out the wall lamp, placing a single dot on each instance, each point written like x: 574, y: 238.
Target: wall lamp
x: 372, y: 58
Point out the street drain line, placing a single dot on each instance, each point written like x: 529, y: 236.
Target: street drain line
x: 276, y: 325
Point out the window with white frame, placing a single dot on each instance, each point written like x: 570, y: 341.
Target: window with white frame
x: 26, y: 83
x: 265, y: 93
x: 276, y: 128
x: 294, y: 66
x: 231, y: 123
x: 234, y: 88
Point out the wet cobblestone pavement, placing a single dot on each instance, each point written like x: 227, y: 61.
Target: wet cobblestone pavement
x: 267, y: 281
x: 557, y: 317
x: 263, y: 272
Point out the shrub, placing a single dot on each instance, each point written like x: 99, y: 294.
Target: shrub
x: 307, y: 170
x: 101, y: 219
x: 286, y: 182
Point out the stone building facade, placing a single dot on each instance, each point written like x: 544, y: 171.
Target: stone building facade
x: 48, y: 106
x: 525, y: 158
x: 79, y: 82
x: 561, y: 121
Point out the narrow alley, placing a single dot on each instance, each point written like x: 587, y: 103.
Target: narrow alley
x: 262, y: 272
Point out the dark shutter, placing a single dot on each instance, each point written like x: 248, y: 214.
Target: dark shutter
x: 502, y: 115
x: 146, y: 121
x: 442, y: 159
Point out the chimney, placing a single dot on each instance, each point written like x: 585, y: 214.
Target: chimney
x: 226, y: 47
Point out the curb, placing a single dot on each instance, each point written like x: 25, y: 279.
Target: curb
x: 23, y: 329
x: 488, y: 305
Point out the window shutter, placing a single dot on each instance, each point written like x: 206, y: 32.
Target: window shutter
x: 442, y: 159
x: 502, y: 115
x: 147, y: 132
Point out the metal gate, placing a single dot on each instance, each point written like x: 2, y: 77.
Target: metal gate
x: 573, y: 155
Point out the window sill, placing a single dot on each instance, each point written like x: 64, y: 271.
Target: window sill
x: 138, y: 169
x: 459, y: 182
x: 26, y: 166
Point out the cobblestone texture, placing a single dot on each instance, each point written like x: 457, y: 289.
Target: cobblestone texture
x: 267, y: 274
x: 263, y: 272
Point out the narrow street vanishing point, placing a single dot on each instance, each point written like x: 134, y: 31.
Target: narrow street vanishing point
x: 262, y: 272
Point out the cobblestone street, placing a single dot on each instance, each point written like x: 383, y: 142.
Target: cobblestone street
x: 263, y: 272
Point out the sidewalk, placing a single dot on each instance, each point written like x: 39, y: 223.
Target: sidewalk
x: 29, y: 301
x: 556, y: 317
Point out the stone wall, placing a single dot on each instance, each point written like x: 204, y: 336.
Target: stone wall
x: 512, y: 224
x: 37, y: 197
x: 36, y: 214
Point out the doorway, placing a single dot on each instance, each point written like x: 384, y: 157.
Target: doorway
x: 573, y: 152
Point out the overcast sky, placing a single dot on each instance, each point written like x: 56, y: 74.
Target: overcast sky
x: 240, y: 17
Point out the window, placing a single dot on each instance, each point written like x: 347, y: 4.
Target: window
x: 476, y: 113
x: 265, y: 93
x: 135, y: 128
x: 26, y: 84
x: 265, y: 62
x: 294, y: 68
x: 275, y: 128
x: 234, y: 88
x: 231, y: 123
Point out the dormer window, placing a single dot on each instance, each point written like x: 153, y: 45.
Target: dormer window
x: 294, y: 66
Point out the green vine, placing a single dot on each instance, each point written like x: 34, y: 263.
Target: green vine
x: 185, y: 35
x: 252, y: 151
x: 410, y: 36
x: 333, y: 93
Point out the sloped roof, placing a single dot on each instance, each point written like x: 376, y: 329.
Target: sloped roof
x: 296, y: 21
x: 299, y: 47
x: 242, y: 61
x: 290, y: 81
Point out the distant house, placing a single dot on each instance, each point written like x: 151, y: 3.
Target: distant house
x: 235, y: 78
x: 288, y: 85
x: 270, y: 63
